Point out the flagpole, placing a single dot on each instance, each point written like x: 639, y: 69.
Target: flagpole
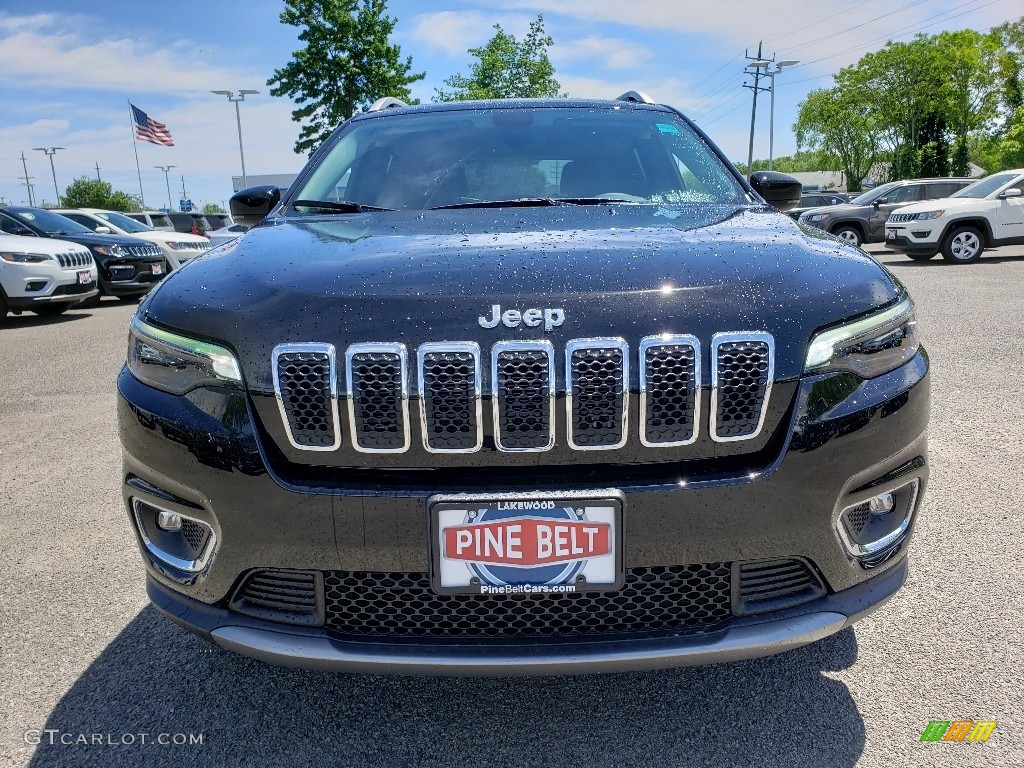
x: 138, y: 169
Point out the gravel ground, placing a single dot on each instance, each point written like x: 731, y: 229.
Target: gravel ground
x: 82, y: 653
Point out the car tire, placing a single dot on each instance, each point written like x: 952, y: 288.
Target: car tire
x: 51, y: 310
x: 921, y: 256
x: 850, y: 235
x: 963, y: 245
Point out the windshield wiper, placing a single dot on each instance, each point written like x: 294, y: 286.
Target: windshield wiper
x: 341, y: 206
x: 519, y: 202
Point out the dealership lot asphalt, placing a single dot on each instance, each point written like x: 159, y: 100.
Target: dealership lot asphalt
x: 82, y: 653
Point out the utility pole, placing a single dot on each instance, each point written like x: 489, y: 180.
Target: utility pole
x: 184, y: 194
x: 98, y: 172
x: 755, y: 67
x: 27, y: 179
x: 50, y: 152
x: 167, y: 180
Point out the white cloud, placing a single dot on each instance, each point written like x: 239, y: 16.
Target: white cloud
x: 611, y: 52
x: 455, y: 32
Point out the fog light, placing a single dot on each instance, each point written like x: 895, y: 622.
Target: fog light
x: 881, y: 504
x: 168, y: 521
x: 35, y: 285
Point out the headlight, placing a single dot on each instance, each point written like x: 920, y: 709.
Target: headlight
x: 25, y: 258
x: 109, y: 250
x: 927, y: 215
x: 178, y: 364
x: 174, y: 246
x: 818, y: 216
x: 867, y: 347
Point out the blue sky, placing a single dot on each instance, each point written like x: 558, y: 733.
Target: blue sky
x: 69, y: 69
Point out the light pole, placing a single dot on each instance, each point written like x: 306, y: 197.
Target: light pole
x: 756, y: 65
x: 167, y: 169
x: 50, y: 152
x: 771, y: 118
x: 238, y: 118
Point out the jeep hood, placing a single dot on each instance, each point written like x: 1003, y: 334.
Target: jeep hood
x: 624, y: 270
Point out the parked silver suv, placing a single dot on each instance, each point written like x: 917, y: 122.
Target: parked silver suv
x: 862, y: 220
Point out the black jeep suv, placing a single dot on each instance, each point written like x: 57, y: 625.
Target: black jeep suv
x: 127, y: 267
x: 523, y: 387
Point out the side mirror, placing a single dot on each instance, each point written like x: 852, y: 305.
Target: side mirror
x: 102, y: 231
x: 778, y: 189
x: 1011, y: 192
x: 250, y: 205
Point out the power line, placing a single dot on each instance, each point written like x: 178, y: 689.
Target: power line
x: 820, y: 21
x: 846, y: 31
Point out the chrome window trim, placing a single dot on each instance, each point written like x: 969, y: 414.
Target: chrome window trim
x: 669, y: 340
x: 597, y: 343
x: 450, y: 346
x: 188, y: 566
x: 523, y: 346
x: 328, y: 349
x: 864, y: 550
x: 716, y: 341
x: 371, y: 347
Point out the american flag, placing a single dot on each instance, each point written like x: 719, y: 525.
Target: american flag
x: 148, y: 129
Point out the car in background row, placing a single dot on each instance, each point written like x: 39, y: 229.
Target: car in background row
x: 227, y: 234
x: 127, y: 268
x: 987, y: 214
x: 158, y: 220
x: 810, y: 200
x: 178, y: 247
x: 44, y: 276
x: 862, y: 220
x: 194, y: 223
x: 218, y: 220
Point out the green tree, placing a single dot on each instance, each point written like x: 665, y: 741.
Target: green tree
x: 86, y: 192
x: 213, y: 208
x: 836, y: 123
x: 347, y: 62
x: 507, y: 69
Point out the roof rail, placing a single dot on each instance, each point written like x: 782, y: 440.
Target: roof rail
x: 636, y: 97
x: 388, y: 102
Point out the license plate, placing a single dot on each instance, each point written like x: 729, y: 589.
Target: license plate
x: 158, y: 269
x: 511, y: 544
x: 84, y: 278
x: 890, y: 234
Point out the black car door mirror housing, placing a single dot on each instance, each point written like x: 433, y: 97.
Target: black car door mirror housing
x: 250, y: 205
x: 778, y: 189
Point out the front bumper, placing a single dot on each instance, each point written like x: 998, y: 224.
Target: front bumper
x: 203, y: 455
x: 919, y: 239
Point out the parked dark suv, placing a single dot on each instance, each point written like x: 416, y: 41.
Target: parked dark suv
x: 862, y: 220
x: 192, y: 223
x: 809, y: 200
x: 523, y: 387
x: 127, y: 267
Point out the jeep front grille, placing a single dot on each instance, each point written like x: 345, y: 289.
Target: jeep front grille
x: 523, y: 379
x: 73, y: 259
x: 897, y: 217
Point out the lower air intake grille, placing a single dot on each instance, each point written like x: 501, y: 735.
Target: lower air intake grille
x: 450, y: 397
x: 291, y: 597
x: 305, y: 382
x: 597, y: 372
x: 743, y: 374
x: 678, y: 599
x: 771, y: 585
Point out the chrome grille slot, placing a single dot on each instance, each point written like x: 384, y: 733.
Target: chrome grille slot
x: 307, y: 395
x: 449, y: 390
x: 742, y: 368
x: 378, y: 397
x: 523, y: 382
x: 669, y: 390
x: 597, y: 386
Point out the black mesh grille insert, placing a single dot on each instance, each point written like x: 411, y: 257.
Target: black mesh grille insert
x: 855, y: 519
x: 597, y: 387
x: 196, y: 535
x: 449, y: 387
x: 742, y: 384
x: 771, y: 585
x: 523, y: 389
x: 671, y: 390
x: 376, y: 385
x: 292, y: 597
x: 679, y: 599
x: 304, y: 379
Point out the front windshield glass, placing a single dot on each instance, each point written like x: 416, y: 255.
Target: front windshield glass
x: 873, y: 194
x: 986, y: 186
x: 432, y: 160
x: 50, y: 223
x: 123, y: 222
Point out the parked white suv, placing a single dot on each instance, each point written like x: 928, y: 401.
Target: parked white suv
x: 44, y: 276
x: 178, y: 247
x: 987, y: 214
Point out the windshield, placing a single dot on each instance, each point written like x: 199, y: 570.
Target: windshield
x: 873, y: 194
x: 986, y: 186
x: 50, y: 223
x: 462, y: 157
x: 123, y: 222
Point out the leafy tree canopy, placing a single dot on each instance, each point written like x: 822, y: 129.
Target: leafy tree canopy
x: 213, y: 208
x: 347, y: 62
x: 86, y: 192
x: 507, y: 68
